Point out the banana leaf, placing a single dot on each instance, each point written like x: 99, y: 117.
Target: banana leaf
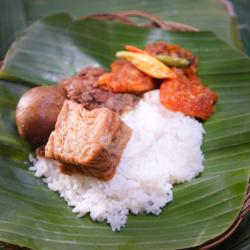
x: 242, y: 9
x: 58, y: 46
x: 12, y: 20
x: 203, y: 14
x: 239, y: 240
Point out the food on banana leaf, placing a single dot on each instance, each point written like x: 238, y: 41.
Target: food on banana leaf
x: 120, y: 140
x: 125, y: 78
x: 83, y: 88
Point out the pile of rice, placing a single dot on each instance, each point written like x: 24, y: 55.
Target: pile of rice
x: 164, y: 149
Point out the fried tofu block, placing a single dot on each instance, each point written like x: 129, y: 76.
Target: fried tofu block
x: 87, y: 141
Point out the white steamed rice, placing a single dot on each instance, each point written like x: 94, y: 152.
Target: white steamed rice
x: 164, y: 149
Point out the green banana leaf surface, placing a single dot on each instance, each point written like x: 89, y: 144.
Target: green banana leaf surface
x: 242, y: 9
x: 58, y: 46
x: 203, y: 14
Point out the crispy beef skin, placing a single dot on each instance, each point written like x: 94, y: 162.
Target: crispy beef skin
x: 126, y: 78
x: 185, y: 92
x: 88, y: 142
x: 83, y: 88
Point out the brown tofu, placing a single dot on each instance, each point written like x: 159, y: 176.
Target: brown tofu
x: 88, y: 142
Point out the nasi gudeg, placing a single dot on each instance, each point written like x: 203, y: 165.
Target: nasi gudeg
x: 114, y: 143
x: 77, y: 122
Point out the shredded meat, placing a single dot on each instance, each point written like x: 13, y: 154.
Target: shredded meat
x: 163, y: 48
x: 125, y: 78
x: 88, y: 142
x: 83, y: 88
